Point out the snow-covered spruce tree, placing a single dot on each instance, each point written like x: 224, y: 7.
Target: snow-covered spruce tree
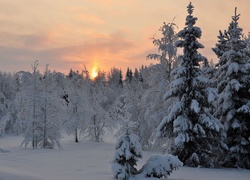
x: 128, y: 151
x: 166, y: 45
x: 247, y: 38
x: 193, y: 131
x: 221, y: 46
x: 234, y: 97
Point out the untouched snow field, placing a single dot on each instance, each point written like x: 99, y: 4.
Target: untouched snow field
x: 84, y: 161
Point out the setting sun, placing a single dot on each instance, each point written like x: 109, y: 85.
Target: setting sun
x: 94, y: 72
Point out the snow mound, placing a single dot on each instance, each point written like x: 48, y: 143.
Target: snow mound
x: 160, y: 166
x: 3, y: 151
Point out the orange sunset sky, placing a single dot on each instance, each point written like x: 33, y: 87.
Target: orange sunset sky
x: 101, y: 33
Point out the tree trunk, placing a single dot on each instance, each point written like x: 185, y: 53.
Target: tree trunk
x: 96, y: 130
x: 76, y: 137
x: 45, y: 144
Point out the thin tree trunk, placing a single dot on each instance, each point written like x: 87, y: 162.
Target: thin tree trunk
x: 96, y: 130
x: 34, y: 124
x: 76, y: 136
x: 34, y: 138
x: 33, y: 134
x: 45, y: 124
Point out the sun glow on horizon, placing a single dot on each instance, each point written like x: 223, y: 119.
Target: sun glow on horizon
x: 94, y: 72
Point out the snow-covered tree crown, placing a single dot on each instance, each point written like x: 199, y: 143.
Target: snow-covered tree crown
x: 127, y: 126
x: 190, y: 8
x: 221, y: 45
x: 189, y: 36
x: 230, y: 39
x: 190, y: 20
x: 235, y: 32
x: 166, y: 45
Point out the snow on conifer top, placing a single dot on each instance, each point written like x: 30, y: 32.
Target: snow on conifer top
x: 188, y: 36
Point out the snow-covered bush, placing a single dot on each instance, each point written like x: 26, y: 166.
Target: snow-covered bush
x: 160, y: 166
x: 128, y: 151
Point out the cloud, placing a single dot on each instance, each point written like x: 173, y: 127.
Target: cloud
x: 106, y: 51
x: 109, y: 33
x: 34, y: 40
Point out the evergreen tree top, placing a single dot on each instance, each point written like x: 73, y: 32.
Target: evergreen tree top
x: 234, y: 30
x: 190, y: 33
x: 190, y: 8
x: 236, y: 16
x: 190, y: 20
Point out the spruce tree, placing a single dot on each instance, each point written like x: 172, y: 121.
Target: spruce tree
x: 128, y: 151
x: 120, y: 79
x: 234, y: 97
x: 129, y: 75
x: 194, y: 133
x: 221, y: 46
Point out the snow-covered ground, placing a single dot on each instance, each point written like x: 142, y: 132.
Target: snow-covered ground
x: 84, y: 161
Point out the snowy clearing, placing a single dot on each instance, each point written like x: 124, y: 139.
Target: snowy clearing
x: 86, y: 161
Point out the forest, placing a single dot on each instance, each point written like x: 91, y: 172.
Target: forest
x: 184, y: 104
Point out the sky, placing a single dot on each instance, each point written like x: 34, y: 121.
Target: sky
x: 101, y: 33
